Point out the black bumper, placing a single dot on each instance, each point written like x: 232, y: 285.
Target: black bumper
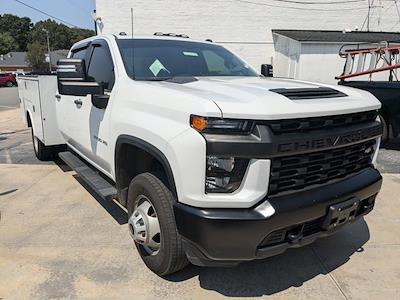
x: 229, y: 236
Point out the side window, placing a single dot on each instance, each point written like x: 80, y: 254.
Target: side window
x: 101, y: 67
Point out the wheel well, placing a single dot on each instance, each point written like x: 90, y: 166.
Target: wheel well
x: 392, y: 128
x: 28, y: 119
x: 132, y: 160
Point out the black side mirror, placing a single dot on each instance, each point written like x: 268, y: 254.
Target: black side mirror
x: 100, y: 101
x: 72, y: 79
x: 267, y: 70
x: 72, y: 69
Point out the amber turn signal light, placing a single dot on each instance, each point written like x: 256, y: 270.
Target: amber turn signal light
x: 198, y: 123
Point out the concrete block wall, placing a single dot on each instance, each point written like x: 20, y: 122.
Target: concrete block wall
x: 244, y: 26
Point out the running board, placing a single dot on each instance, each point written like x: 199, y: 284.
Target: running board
x: 101, y: 186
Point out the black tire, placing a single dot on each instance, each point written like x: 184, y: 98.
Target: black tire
x: 171, y: 257
x: 9, y: 84
x: 42, y: 152
x: 386, y: 131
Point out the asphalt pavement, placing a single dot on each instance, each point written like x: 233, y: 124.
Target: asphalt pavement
x: 8, y: 98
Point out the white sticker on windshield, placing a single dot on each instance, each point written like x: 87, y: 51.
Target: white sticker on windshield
x: 156, y: 67
x: 190, y: 53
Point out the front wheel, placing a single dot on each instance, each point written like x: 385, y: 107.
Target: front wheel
x: 152, y: 225
x: 9, y: 84
x: 386, y: 131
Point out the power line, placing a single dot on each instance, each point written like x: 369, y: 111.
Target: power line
x: 42, y: 12
x: 318, y: 2
x: 297, y: 8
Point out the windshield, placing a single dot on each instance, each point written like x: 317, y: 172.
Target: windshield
x: 155, y: 59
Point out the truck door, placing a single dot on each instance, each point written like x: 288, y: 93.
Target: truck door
x: 84, y: 125
x: 67, y: 109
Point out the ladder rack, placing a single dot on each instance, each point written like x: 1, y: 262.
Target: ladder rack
x: 370, y: 60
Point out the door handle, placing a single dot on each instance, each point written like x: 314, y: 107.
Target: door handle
x: 78, y: 102
x: 58, y: 97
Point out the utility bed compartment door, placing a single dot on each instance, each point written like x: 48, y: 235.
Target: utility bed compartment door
x: 38, y: 98
x: 31, y: 99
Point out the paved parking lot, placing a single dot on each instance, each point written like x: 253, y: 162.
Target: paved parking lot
x: 57, y: 240
x: 8, y: 98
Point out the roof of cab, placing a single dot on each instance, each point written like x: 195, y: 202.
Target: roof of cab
x: 129, y: 37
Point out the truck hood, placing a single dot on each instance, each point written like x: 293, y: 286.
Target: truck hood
x: 252, y: 98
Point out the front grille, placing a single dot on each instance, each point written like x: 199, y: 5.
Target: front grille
x: 316, y: 123
x: 296, y: 172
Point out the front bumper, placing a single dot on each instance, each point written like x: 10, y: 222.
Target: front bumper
x: 219, y: 236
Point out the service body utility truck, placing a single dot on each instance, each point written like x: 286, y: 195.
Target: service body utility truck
x: 215, y: 163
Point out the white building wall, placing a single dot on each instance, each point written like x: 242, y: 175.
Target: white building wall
x: 320, y: 62
x: 242, y: 26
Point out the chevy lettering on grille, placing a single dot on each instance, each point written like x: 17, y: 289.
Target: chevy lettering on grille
x: 331, y: 141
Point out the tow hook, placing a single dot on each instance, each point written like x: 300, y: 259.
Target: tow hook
x: 295, y: 234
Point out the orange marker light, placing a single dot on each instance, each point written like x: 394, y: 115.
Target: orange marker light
x: 198, y: 123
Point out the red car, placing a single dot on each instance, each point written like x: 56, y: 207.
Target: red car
x: 7, y: 79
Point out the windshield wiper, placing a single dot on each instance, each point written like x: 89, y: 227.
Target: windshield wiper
x: 152, y: 78
x: 173, y: 79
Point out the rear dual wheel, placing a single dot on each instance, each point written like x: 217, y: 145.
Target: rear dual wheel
x: 152, y: 225
x: 42, y: 152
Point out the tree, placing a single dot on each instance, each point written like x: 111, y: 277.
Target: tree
x: 36, y: 57
x: 24, y: 32
x: 61, y: 36
x: 18, y: 28
x: 78, y: 34
x: 7, y: 43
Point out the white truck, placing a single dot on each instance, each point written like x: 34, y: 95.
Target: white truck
x: 215, y: 163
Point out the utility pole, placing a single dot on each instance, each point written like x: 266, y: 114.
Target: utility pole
x: 48, y: 47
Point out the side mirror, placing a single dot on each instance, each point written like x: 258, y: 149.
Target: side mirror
x: 267, y: 70
x: 72, y: 78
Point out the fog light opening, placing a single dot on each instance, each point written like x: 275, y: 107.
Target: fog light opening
x: 224, y: 174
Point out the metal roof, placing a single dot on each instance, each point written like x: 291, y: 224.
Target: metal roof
x: 18, y: 59
x: 330, y: 36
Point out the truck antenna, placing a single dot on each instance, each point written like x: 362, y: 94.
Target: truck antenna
x: 132, y: 22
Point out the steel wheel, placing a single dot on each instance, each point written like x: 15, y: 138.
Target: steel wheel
x: 144, y: 226
x: 151, y: 223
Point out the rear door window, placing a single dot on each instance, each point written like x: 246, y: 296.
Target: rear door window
x: 101, y: 67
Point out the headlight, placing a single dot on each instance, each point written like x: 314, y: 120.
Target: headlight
x: 220, y: 125
x: 224, y: 174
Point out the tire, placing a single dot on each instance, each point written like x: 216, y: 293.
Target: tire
x: 42, y: 152
x: 9, y: 84
x: 386, y: 132
x: 170, y: 256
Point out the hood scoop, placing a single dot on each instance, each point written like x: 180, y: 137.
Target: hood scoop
x: 309, y: 93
